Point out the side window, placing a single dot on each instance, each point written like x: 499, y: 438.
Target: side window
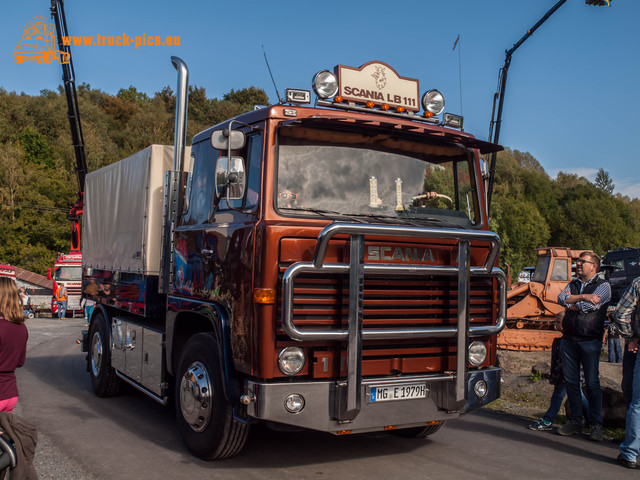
x: 560, y: 269
x: 255, y: 169
x: 540, y: 273
x: 200, y: 190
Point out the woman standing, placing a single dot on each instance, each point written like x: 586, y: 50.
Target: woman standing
x: 13, y: 342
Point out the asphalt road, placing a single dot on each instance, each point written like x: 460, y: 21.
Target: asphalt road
x: 130, y: 436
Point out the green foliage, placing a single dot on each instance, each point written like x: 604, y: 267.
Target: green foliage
x: 38, y: 184
x: 36, y: 148
x: 37, y: 161
x: 535, y: 376
x: 604, y: 182
x: 531, y: 210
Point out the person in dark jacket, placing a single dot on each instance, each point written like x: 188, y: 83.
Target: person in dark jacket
x: 556, y: 378
x: 13, y: 342
x: 585, y: 299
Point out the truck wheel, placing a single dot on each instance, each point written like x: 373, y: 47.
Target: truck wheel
x: 104, y: 380
x: 418, y: 432
x: 205, y: 417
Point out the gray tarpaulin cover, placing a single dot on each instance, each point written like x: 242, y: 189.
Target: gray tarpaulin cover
x: 122, y: 218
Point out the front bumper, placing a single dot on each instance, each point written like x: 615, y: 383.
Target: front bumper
x: 322, y: 401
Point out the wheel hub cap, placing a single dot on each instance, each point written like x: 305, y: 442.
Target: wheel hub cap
x: 96, y: 354
x: 195, y: 396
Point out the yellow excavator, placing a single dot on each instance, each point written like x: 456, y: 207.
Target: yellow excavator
x: 532, y: 306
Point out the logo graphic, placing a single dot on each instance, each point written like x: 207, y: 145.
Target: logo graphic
x: 380, y: 77
x: 38, y: 43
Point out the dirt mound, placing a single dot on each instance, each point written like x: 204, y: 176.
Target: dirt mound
x: 526, y: 390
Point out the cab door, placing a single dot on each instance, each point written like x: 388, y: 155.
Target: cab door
x: 214, y: 241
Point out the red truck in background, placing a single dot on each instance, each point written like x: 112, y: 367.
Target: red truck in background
x: 7, y: 271
x: 67, y: 271
x: 327, y: 267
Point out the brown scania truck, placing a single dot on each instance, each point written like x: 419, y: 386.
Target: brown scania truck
x: 323, y: 265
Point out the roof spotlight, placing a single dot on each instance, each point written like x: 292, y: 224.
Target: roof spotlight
x: 325, y: 84
x: 433, y: 102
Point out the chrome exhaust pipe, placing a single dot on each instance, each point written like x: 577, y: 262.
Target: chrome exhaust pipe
x: 182, y: 100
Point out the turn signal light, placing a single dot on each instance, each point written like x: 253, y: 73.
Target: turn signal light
x: 428, y: 114
x: 264, y: 295
x: 391, y: 427
x: 343, y: 432
x: 338, y: 99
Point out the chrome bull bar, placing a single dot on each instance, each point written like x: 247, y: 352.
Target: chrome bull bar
x: 356, y: 268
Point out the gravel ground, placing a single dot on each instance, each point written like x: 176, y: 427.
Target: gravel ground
x: 520, y: 395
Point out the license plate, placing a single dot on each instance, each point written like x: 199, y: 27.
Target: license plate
x: 387, y: 393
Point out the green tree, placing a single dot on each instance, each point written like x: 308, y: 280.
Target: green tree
x: 604, y: 182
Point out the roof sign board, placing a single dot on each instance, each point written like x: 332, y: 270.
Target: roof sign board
x: 379, y: 83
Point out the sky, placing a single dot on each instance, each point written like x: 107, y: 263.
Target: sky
x: 571, y: 100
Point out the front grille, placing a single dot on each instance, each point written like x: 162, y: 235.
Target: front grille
x: 322, y: 301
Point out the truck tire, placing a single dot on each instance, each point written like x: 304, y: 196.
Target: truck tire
x: 418, y: 432
x: 104, y: 380
x: 205, y: 417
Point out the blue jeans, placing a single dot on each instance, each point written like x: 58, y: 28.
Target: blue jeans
x: 615, y: 350
x: 62, y: 309
x: 557, y: 397
x: 88, y: 311
x: 587, y: 354
x: 628, y: 367
x: 630, y: 448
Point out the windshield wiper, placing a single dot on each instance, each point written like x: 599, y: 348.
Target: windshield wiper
x: 319, y: 211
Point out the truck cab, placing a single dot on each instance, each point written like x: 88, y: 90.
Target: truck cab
x: 327, y: 267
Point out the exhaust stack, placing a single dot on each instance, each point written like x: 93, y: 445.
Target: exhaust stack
x: 182, y: 100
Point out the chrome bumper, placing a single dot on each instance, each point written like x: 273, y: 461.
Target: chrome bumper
x: 356, y: 268
x: 322, y: 402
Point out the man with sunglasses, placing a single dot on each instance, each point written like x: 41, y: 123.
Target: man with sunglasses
x: 585, y: 299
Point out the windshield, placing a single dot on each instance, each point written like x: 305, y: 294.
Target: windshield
x: 338, y: 173
x: 70, y: 274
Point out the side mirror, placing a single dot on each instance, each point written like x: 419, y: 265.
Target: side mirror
x: 49, y: 273
x: 230, y: 180
x: 228, y: 139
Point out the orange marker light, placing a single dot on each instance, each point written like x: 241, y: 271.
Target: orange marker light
x: 370, y: 104
x: 391, y: 427
x: 385, y: 106
x: 338, y: 99
x: 264, y: 295
x: 428, y: 114
x: 343, y: 432
x: 400, y: 109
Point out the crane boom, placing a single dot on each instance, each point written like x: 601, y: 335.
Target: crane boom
x: 68, y: 77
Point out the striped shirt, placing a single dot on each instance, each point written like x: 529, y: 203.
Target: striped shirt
x: 603, y: 291
x: 622, y: 315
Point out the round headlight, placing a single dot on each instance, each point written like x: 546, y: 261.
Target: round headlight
x: 433, y: 102
x: 291, y: 360
x: 480, y: 388
x: 477, y: 353
x: 325, y: 84
x: 294, y: 403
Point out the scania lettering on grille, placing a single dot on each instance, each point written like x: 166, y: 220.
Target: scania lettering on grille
x: 378, y: 253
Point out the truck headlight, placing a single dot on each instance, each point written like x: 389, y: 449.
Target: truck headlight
x: 291, y: 360
x: 480, y: 389
x: 433, y: 102
x: 294, y: 403
x: 325, y: 84
x: 477, y: 353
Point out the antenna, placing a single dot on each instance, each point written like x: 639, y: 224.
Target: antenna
x: 269, y: 68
